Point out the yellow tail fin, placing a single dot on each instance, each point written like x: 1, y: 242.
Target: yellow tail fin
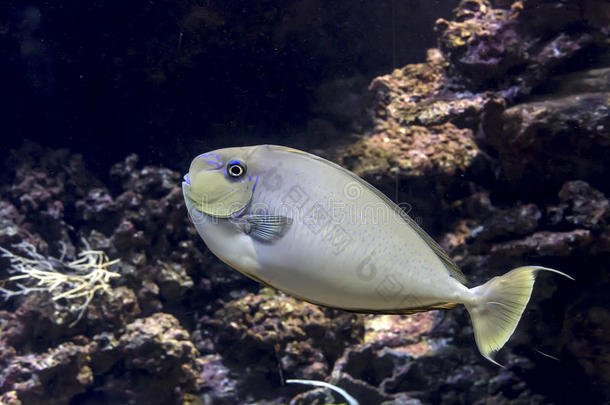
x: 498, y: 306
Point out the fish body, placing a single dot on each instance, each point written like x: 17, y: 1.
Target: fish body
x: 314, y: 230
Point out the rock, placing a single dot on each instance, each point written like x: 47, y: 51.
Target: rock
x: 585, y: 338
x: 358, y: 388
x: 441, y: 151
x: 546, y: 244
x: 507, y: 223
x: 403, y: 332
x: 402, y: 400
x: 66, y: 365
x: 603, y: 243
x: 153, y: 235
x: 126, y: 237
x: 10, y: 231
x: 172, y: 279
x: 572, y: 127
x: 218, y: 383
x: 151, y: 361
x: 46, y: 184
x: 10, y: 398
x: 156, y: 344
x: 319, y: 396
x: 580, y: 82
x: 153, y: 351
x: 413, y: 135
x: 273, y: 330
x: 480, y: 41
x: 513, y: 49
x: 376, y: 376
x: 40, y: 323
x: 586, y: 206
x: 419, y: 94
x: 410, y: 158
x: 118, y: 309
x: 152, y: 181
x: 98, y: 209
x: 261, y: 321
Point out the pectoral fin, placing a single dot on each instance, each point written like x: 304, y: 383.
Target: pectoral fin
x: 263, y: 228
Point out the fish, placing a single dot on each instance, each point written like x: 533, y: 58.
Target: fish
x: 314, y: 230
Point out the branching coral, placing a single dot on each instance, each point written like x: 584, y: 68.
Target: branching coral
x: 75, y: 282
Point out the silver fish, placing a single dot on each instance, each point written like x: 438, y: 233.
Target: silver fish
x: 308, y: 227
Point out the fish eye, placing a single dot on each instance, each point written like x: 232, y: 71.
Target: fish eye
x: 236, y: 169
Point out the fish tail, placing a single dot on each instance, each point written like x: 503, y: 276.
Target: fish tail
x: 498, y: 305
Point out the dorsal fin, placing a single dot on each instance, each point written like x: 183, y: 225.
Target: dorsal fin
x: 450, y: 265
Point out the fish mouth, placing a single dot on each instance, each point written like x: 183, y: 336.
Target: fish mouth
x: 187, y: 190
x: 191, y: 205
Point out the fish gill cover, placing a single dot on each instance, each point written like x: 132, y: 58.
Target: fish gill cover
x: 498, y: 140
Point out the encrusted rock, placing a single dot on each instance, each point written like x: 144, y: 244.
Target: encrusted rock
x: 584, y: 205
x: 273, y: 332
x: 259, y: 322
x: 153, y: 181
x: 111, y: 313
x: 319, y: 396
x: 442, y: 151
x: 218, y: 383
x: 508, y: 223
x: 585, y: 338
x: 160, y: 363
x: 66, y: 365
x: 603, y: 243
x: 413, y: 133
x: 418, y: 94
x: 9, y: 223
x: 480, y: 41
x: 159, y: 345
x: 402, y: 332
x: 552, y: 139
x: 98, y: 208
x: 514, y: 48
x: 10, y: 398
x: 546, y: 244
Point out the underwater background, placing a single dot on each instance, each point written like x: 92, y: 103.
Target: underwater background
x: 490, y: 119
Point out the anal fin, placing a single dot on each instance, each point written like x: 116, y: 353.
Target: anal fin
x: 446, y: 305
x: 405, y: 311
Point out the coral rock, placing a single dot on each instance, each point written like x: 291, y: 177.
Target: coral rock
x: 513, y: 48
x: 161, y: 363
x: 65, y: 365
x: 440, y: 151
x: 399, y: 330
x: 10, y: 398
x: 570, y: 126
x: 586, y: 339
x: 272, y: 329
x: 586, y: 206
x: 546, y: 244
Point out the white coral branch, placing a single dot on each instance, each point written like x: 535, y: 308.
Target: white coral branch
x: 76, y: 281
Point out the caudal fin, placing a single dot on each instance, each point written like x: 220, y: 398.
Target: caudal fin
x: 498, y: 306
